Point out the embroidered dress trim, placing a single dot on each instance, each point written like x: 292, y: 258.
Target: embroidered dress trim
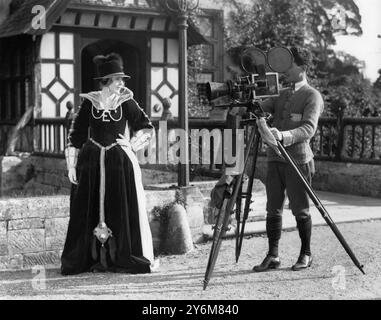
x: 101, y: 231
x: 116, y: 100
x: 104, y: 113
x: 145, y: 230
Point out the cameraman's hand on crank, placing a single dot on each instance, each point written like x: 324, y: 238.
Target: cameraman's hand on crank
x: 267, y: 135
x: 73, y: 175
x: 277, y: 134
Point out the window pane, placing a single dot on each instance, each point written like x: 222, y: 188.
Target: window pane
x: 57, y: 90
x: 48, y: 46
x: 48, y: 107
x: 157, y: 77
x: 173, y: 51
x: 173, y: 77
x: 165, y: 91
x: 157, y: 50
x: 175, y: 106
x: 66, y: 46
x: 67, y: 74
x: 48, y: 73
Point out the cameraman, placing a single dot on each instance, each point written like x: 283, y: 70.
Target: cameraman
x: 296, y: 113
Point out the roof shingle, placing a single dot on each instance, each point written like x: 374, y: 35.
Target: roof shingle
x: 20, y: 20
x: 21, y: 17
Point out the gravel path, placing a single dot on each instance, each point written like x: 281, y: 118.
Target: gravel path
x: 332, y: 275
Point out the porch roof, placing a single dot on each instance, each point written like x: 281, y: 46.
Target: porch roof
x: 20, y: 20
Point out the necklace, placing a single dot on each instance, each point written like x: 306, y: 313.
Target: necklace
x: 106, y: 106
x: 106, y: 114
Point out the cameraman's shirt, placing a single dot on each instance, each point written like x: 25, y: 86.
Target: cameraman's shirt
x: 296, y: 114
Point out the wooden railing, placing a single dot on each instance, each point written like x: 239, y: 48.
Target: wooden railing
x: 355, y: 140
x: 50, y: 137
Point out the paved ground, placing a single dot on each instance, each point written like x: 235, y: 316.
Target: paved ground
x: 341, y: 208
x: 332, y: 275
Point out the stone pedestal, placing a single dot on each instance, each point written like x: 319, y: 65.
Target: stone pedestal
x: 193, y: 203
x: 178, y: 238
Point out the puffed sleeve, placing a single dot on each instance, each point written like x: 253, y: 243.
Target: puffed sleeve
x: 136, y: 117
x: 78, y: 133
x: 140, y: 125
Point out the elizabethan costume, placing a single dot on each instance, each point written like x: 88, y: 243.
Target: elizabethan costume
x: 108, y: 227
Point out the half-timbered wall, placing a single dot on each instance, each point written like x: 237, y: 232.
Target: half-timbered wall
x: 164, y: 75
x: 161, y: 43
x: 57, y: 73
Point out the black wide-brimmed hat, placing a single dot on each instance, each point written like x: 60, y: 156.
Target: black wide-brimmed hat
x: 301, y: 56
x: 109, y: 66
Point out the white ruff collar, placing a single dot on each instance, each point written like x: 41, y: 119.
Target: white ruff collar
x: 114, y: 101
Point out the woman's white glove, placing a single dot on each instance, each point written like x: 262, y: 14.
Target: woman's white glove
x: 137, y: 142
x: 73, y: 175
x: 141, y: 139
x: 124, y: 142
x: 71, y: 155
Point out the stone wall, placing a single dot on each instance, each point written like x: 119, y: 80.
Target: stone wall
x: 348, y: 178
x: 339, y: 177
x: 34, y: 176
x: 33, y: 229
x: 37, y: 176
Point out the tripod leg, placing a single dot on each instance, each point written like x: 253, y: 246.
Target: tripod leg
x: 219, y: 231
x: 238, y: 217
x: 255, y: 145
x: 319, y: 206
x: 226, y: 214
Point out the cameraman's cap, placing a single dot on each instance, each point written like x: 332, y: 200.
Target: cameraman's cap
x: 301, y: 56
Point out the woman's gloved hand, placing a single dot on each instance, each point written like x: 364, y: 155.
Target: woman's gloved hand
x: 73, y: 175
x: 71, y: 155
x: 124, y: 142
x: 137, y: 142
x: 141, y: 139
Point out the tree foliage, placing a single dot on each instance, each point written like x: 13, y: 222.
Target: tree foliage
x: 313, y: 24
x: 266, y: 23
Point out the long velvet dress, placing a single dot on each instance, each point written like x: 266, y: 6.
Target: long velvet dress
x: 124, y: 202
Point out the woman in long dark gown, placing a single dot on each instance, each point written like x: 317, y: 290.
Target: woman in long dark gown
x: 108, y: 227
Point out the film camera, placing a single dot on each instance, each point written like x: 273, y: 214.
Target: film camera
x: 260, y: 81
